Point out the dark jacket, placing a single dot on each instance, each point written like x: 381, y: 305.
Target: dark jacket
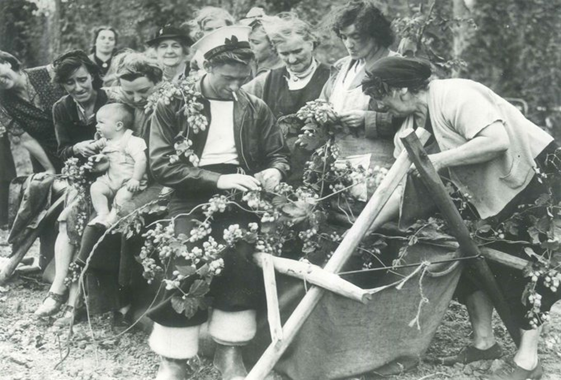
x: 69, y: 128
x: 259, y: 143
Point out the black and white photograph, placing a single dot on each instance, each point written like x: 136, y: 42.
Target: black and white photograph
x: 280, y: 189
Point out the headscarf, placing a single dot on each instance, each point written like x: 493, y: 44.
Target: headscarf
x: 395, y: 72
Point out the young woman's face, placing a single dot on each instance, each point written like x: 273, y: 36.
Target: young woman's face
x: 296, y: 53
x: 8, y: 77
x: 137, y: 91
x: 212, y: 24
x: 105, y: 42
x: 170, y: 52
x: 358, y: 46
x: 260, y: 45
x: 79, y: 85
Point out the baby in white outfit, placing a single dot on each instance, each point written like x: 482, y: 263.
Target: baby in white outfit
x: 124, y: 156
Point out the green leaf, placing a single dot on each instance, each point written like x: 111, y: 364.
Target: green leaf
x: 190, y: 306
x: 199, y: 288
x: 543, y: 199
x: 185, y: 270
x: 178, y: 304
x: 203, y: 271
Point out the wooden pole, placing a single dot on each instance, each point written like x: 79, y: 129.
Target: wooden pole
x: 432, y: 181
x: 8, y: 269
x: 350, y: 242
x: 315, y: 275
x: 273, y: 309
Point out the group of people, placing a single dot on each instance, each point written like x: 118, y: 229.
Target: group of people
x: 250, y: 74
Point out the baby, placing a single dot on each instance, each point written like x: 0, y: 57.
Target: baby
x: 125, y: 159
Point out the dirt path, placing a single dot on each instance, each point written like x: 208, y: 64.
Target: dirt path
x: 30, y: 348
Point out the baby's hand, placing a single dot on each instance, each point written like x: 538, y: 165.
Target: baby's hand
x: 97, y: 164
x: 133, y: 185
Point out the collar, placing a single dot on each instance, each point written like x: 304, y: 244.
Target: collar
x: 296, y: 77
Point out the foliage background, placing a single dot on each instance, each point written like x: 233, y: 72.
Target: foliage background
x: 511, y: 45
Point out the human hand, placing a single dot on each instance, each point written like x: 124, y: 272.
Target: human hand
x: 237, y: 181
x: 269, y: 178
x: 332, y: 116
x: 133, y: 185
x: 353, y: 119
x: 84, y: 148
x: 436, y: 161
x: 41, y: 176
x: 98, y: 163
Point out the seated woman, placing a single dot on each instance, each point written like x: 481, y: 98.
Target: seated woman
x: 172, y: 49
x: 492, y: 153
x: 103, y: 48
x: 74, y: 117
x: 287, y: 89
x: 26, y: 101
x: 138, y: 77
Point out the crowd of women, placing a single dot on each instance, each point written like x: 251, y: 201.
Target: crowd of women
x: 82, y: 105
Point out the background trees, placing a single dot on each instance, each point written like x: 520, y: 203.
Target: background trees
x: 510, y: 45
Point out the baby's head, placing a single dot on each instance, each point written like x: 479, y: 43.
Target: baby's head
x: 114, y: 119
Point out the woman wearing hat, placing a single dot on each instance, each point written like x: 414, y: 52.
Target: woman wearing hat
x: 171, y: 46
x: 492, y: 153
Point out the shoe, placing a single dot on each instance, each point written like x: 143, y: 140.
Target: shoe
x: 46, y: 310
x: 514, y: 372
x: 228, y: 360
x: 121, y: 322
x: 68, y: 312
x: 470, y: 354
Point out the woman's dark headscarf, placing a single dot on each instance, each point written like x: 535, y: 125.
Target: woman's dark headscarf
x: 396, y: 72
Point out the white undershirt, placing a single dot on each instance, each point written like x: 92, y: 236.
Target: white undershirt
x: 220, y: 147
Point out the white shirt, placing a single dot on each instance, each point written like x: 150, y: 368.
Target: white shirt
x: 220, y: 147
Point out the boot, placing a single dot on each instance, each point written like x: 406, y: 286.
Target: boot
x: 171, y: 369
x: 228, y: 360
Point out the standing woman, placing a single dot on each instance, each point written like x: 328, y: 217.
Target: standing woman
x: 75, y: 127
x: 26, y: 101
x: 266, y: 57
x: 493, y: 154
x: 367, y: 36
x: 104, y: 46
x: 172, y: 49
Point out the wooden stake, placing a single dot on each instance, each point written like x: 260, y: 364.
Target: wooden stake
x: 8, y: 269
x: 317, y: 276
x: 273, y: 309
x: 350, y: 242
x: 432, y: 181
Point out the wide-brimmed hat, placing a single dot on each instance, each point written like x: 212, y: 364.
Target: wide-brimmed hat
x: 170, y: 32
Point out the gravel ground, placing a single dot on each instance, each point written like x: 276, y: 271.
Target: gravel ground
x: 30, y: 348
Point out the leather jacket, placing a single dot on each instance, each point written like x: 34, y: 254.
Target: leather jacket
x: 259, y: 143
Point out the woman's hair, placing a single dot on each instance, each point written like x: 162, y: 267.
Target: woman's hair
x: 392, y: 73
x: 98, y: 30
x: 242, y: 56
x: 367, y: 19
x: 6, y: 57
x: 66, y: 64
x: 285, y: 28
x: 131, y: 65
x: 212, y: 13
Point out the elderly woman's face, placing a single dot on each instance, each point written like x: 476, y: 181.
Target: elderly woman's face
x: 105, y: 41
x: 8, y: 77
x: 358, y: 46
x: 170, y: 52
x: 296, y: 53
x: 79, y: 85
x: 212, y: 24
x: 260, y: 45
x: 137, y: 91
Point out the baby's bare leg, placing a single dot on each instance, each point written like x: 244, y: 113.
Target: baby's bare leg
x: 101, y: 195
x: 123, y: 196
